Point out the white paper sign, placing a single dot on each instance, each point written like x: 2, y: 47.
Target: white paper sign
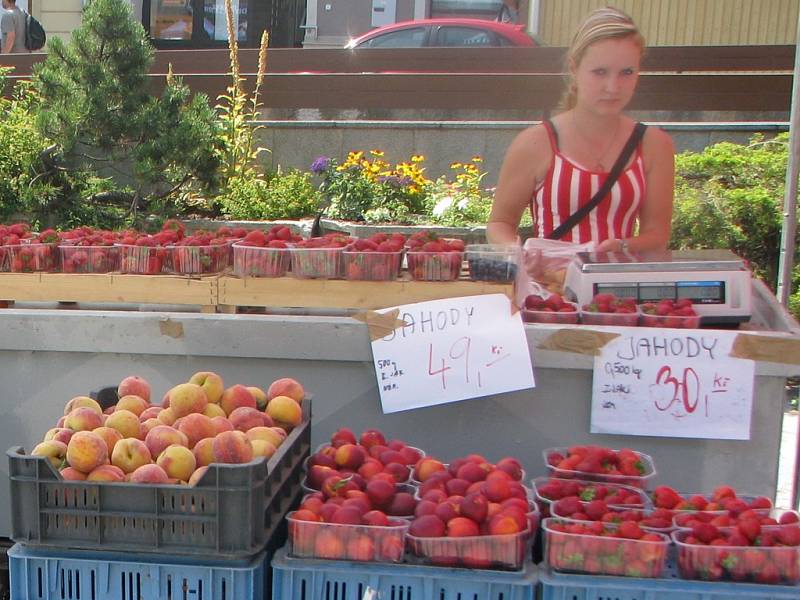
x: 452, y: 349
x: 672, y: 383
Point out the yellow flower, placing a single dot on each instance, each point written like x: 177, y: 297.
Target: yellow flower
x: 476, y: 159
x: 415, y: 158
x: 455, y: 165
x: 376, y: 152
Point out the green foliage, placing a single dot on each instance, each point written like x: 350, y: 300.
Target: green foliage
x: 731, y: 196
x: 289, y: 195
x: 96, y: 108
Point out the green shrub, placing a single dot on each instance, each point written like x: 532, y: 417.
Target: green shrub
x: 289, y: 195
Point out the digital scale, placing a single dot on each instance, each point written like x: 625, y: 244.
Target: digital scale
x: 716, y: 281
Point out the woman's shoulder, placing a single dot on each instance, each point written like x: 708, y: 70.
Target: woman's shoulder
x: 532, y: 141
x: 657, y: 140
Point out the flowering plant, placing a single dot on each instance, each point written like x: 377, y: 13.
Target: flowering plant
x: 367, y: 188
x: 462, y: 199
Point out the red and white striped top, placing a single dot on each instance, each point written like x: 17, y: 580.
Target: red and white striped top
x: 567, y: 186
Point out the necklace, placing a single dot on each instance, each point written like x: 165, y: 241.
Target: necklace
x: 599, y: 163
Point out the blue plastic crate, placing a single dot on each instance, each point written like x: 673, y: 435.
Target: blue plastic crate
x: 561, y: 586
x: 86, y: 575
x: 310, y: 579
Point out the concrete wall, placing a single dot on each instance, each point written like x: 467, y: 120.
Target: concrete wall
x: 298, y: 143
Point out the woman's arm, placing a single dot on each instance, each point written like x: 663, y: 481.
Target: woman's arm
x: 655, y: 215
x: 516, y: 184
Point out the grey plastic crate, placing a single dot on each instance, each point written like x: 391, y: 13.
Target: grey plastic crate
x: 231, y: 513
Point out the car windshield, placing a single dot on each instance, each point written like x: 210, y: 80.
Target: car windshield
x: 413, y: 37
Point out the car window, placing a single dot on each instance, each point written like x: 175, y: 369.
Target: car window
x: 413, y: 37
x: 464, y: 36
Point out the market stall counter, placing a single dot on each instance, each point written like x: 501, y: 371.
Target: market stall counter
x: 48, y: 356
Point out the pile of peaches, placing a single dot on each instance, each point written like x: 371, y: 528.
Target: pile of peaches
x: 369, y: 498
x: 197, y: 423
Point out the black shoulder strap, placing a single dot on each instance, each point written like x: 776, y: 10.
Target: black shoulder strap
x: 616, y: 170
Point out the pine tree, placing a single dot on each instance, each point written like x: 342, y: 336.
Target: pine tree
x: 97, y: 108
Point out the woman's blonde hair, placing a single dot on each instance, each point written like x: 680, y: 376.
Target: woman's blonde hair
x: 601, y: 24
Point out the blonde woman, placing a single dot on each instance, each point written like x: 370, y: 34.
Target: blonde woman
x: 558, y: 166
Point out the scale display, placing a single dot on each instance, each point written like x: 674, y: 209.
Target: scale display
x: 699, y: 292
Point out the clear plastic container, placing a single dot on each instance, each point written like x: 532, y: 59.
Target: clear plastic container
x: 549, y: 316
x: 603, y: 555
x: 142, y: 260
x: 588, y: 490
x: 32, y: 258
x: 89, y: 259
x: 475, y: 552
x: 372, y: 266
x: 434, y: 266
x: 198, y: 260
x: 371, y: 543
x: 639, y: 481
x: 615, y: 319
x: 493, y: 262
x: 677, y: 322
x: 255, y: 261
x: 685, y: 519
x: 758, y: 564
x: 317, y: 263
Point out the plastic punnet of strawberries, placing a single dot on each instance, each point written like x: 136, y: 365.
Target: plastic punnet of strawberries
x: 88, y: 250
x: 320, y: 257
x: 553, y: 309
x: 432, y: 258
x: 748, y: 551
x: 597, y: 463
x: 34, y: 254
x: 264, y: 253
x: 608, y: 309
x: 604, y: 549
x: 376, y: 258
x: 670, y: 313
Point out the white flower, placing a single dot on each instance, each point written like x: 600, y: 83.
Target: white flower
x: 462, y: 204
x: 442, y: 205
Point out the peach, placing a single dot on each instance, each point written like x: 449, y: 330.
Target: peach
x: 285, y: 411
x: 235, y: 397
x: 196, y: 427
x: 232, y: 447
x: 197, y: 475
x: 350, y: 456
x: 496, y: 489
x: 129, y: 454
x: 475, y: 506
x: 135, y: 385
x: 151, y: 412
x: 221, y: 424
x: 286, y: 386
x: 59, y: 434
x: 370, y: 467
x: 149, y: 473
x: 204, y: 452
x: 72, y: 474
x: 279, y: 431
x: 245, y: 418
x: 511, y: 466
x: 82, y: 401
x: 83, y: 418
x: 177, y: 461
x: 108, y: 473
x: 504, y: 523
x: 317, y: 474
x: 401, y: 505
x: 110, y: 435
x: 263, y: 448
x: 60, y: 422
x: 343, y: 435
x: 186, y: 398
x: 133, y: 403
x: 462, y: 527
x: 126, y: 422
x: 260, y: 396
x: 211, y: 383
x: 167, y: 416
x: 86, y: 451
x: 214, y: 410
x: 380, y: 492
x: 427, y: 526
x: 162, y: 436
x: 148, y: 426
x: 372, y: 437
x: 267, y: 434
x: 426, y: 467
x: 328, y: 545
x: 55, y: 452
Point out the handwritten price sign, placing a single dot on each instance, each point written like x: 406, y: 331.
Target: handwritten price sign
x: 451, y: 350
x: 672, y: 383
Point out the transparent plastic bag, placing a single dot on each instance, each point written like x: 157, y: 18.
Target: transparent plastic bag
x: 545, y: 265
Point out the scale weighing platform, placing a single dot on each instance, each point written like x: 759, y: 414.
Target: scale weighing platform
x: 716, y: 281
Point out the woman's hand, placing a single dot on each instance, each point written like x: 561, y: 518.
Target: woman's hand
x: 609, y: 246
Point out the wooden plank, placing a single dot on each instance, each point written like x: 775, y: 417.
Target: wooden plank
x: 317, y: 293
x: 109, y: 288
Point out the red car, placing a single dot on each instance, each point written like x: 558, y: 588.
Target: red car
x: 462, y: 33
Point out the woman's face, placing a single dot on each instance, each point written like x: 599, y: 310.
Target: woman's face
x: 606, y: 76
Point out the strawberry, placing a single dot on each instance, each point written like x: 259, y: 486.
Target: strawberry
x: 666, y: 497
x: 567, y: 506
x: 749, y: 528
x: 761, y: 502
x: 788, y: 536
x: 595, y: 509
x: 705, y: 532
x: 788, y: 517
x: 723, y: 491
x: 630, y: 530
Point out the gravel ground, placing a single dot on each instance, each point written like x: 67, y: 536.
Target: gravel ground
x: 787, y: 458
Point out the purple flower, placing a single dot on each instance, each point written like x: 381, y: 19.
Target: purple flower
x: 320, y: 165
